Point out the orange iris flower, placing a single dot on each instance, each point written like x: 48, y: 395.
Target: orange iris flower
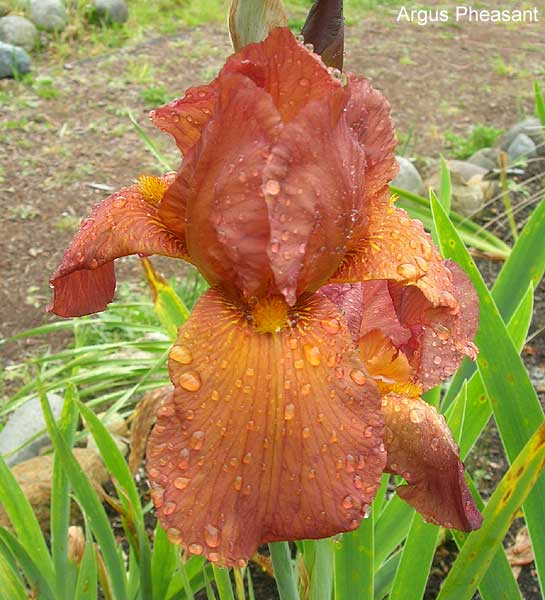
x: 289, y: 401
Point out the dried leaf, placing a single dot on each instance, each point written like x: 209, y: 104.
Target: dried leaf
x: 521, y: 553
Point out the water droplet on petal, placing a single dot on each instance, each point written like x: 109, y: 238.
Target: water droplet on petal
x: 289, y: 412
x: 197, y: 440
x: 181, y: 354
x: 211, y: 536
x: 437, y: 360
x: 306, y: 432
x: 331, y: 325
x: 306, y: 389
x: 237, y: 483
x: 299, y: 364
x: 190, y: 381
x: 312, y: 354
x: 169, y: 508
x: 195, y: 548
x: 407, y: 270
x: 348, y: 502
x: 416, y: 416
x: 181, y: 483
x: 358, y: 377
x: 271, y: 187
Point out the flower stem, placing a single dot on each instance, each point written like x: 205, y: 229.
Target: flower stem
x: 283, y: 571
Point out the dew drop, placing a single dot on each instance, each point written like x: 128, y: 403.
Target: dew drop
x: 331, y: 325
x: 437, y: 360
x: 357, y: 377
x: 119, y: 202
x: 434, y: 443
x: 169, y: 508
x: 211, y: 536
x: 213, y: 556
x: 190, y: 381
x: 289, y: 412
x: 312, y: 474
x: 181, y: 354
x: 306, y: 432
x: 237, y: 483
x: 358, y: 483
x: 299, y: 364
x: 271, y: 187
x: 416, y: 416
x: 247, y: 458
x: 407, y: 270
x: 195, y: 548
x: 306, y: 389
x: 181, y: 483
x: 304, y: 82
x: 174, y: 535
x: 312, y: 354
x: 197, y: 440
x: 215, y: 395
x: 348, y: 502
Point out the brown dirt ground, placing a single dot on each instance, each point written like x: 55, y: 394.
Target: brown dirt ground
x: 436, y: 78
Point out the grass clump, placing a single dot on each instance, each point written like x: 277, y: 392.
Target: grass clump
x: 463, y: 147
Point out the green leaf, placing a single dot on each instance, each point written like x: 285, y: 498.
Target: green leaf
x: 413, y: 569
x: 481, y: 545
x: 223, y: 583
x: 391, y: 528
x: 473, y: 235
x: 169, y: 307
x: 24, y: 522
x: 60, y: 505
x: 10, y: 584
x: 31, y: 570
x: 283, y: 571
x: 163, y: 563
x: 91, y: 504
x: 86, y: 586
x: 540, y: 103
x: 321, y: 576
x: 512, y: 397
x: 149, y: 144
x: 445, y: 188
x: 525, y: 265
x: 355, y: 562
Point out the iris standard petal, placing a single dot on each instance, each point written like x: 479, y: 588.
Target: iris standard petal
x: 420, y: 449
x: 270, y: 436
x: 125, y: 223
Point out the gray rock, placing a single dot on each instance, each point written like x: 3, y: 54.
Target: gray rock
x: 18, y: 31
x: 464, y: 171
x: 112, y: 11
x: 13, y: 60
x: 408, y: 177
x: 48, y: 14
x: 531, y: 127
x: 521, y: 148
x: 25, y: 422
x: 486, y: 158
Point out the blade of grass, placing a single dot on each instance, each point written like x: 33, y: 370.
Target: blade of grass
x: 355, y: 562
x: 148, y: 143
x: 91, y: 504
x: 86, y: 586
x: 283, y: 571
x: 223, y: 583
x: 481, y: 545
x: 540, y: 103
x: 512, y: 397
x: 525, y: 265
x: 321, y: 577
x: 163, y: 563
x: 10, y: 584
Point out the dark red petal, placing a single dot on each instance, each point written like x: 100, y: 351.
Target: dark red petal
x: 285, y: 69
x: 324, y: 29
x: 270, y: 436
x: 441, y: 337
x: 125, y: 223
x: 185, y: 117
x: 348, y: 297
x: 227, y: 224
x: 421, y: 449
x: 313, y: 186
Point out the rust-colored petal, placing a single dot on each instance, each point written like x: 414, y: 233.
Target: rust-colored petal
x: 348, y: 298
x: 185, y: 117
x: 397, y: 248
x: 125, y: 223
x: 313, y: 186
x: 441, y: 337
x: 285, y: 69
x: 420, y: 448
x: 226, y: 219
x: 270, y: 436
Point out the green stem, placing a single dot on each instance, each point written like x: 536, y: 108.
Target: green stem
x: 283, y: 571
x: 506, y: 197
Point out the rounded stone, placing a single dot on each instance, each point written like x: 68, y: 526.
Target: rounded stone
x: 49, y: 15
x: 112, y: 11
x: 18, y: 31
x: 408, y: 178
x: 13, y: 61
x: 521, y: 148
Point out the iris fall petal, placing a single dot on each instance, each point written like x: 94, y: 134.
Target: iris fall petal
x: 421, y: 449
x: 269, y: 436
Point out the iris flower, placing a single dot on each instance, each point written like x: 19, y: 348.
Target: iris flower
x: 297, y: 376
